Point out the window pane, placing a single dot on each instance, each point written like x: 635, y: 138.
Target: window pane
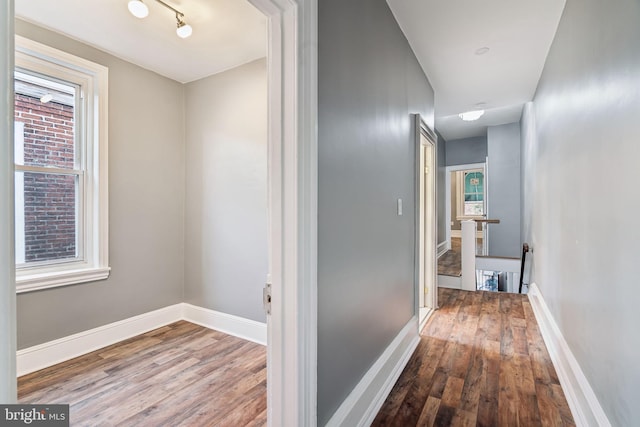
x: 46, y: 107
x: 46, y: 217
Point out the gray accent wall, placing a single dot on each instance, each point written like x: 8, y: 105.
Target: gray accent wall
x: 582, y: 178
x: 146, y: 205
x: 226, y: 191
x: 8, y: 386
x: 369, y: 85
x: 503, y: 189
x: 466, y: 151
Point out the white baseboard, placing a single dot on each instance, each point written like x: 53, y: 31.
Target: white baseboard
x: 442, y: 249
x: 240, y: 327
x: 47, y: 354
x: 50, y: 353
x: 449, y: 282
x: 584, y: 404
x: 363, y: 403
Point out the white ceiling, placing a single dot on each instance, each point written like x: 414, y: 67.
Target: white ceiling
x: 445, y: 36
x: 226, y: 33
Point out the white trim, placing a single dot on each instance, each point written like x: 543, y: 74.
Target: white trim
x: 39, y: 281
x: 93, y: 212
x: 240, y: 327
x: 442, y: 249
x: 488, y: 263
x: 363, y: 403
x: 584, y: 404
x: 50, y: 353
x: 47, y: 354
x: 292, y: 183
x: 450, y: 282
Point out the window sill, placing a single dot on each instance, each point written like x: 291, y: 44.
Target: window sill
x: 35, y: 282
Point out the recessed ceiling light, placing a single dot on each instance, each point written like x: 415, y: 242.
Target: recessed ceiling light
x: 482, y: 50
x: 470, y: 116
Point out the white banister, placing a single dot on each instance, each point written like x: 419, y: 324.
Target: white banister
x: 469, y: 255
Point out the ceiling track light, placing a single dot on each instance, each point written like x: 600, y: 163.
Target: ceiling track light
x: 140, y: 10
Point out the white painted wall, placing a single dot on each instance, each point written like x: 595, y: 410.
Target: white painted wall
x: 226, y: 191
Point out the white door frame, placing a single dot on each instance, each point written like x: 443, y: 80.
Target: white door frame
x: 292, y: 154
x: 8, y: 383
x: 424, y: 255
x: 447, y: 190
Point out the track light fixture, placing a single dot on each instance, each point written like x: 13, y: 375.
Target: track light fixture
x: 140, y: 10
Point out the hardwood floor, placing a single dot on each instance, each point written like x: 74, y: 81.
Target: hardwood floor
x: 450, y: 263
x: 179, y: 375
x: 481, y: 361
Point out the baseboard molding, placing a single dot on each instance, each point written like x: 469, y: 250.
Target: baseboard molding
x: 47, y: 354
x: 363, y: 403
x: 585, y: 407
x: 442, y: 249
x: 449, y: 282
x: 240, y: 327
x: 50, y: 353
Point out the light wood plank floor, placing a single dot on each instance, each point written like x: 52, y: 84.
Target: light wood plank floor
x: 481, y: 361
x: 179, y: 375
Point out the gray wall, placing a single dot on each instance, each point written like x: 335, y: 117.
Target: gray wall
x: 8, y: 393
x: 583, y: 182
x: 369, y: 84
x: 146, y: 205
x: 466, y: 151
x: 503, y: 188
x: 226, y: 192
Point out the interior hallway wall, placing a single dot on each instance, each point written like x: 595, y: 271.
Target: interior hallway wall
x: 369, y: 85
x: 503, y: 189
x: 146, y: 205
x: 582, y: 179
x: 226, y: 192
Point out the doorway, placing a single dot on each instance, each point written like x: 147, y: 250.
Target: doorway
x: 427, y: 215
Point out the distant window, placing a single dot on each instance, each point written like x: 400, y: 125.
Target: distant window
x: 60, y: 168
x: 470, y: 189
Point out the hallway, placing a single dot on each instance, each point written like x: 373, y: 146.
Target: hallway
x: 481, y: 361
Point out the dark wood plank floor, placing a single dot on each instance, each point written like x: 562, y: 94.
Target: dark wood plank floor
x: 178, y: 375
x: 481, y: 361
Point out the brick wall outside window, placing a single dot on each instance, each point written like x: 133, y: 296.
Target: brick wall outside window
x: 49, y: 199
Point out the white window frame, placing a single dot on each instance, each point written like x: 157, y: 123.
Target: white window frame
x: 460, y: 195
x: 94, y: 200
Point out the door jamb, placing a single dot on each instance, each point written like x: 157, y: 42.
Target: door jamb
x: 421, y: 128
x: 447, y: 191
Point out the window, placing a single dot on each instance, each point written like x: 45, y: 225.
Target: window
x: 60, y: 168
x: 470, y: 189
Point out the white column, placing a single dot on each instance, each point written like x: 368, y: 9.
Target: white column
x: 469, y: 255
x: 8, y: 392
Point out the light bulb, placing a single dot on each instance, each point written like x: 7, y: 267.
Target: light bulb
x: 470, y: 116
x: 184, y: 30
x: 138, y: 9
